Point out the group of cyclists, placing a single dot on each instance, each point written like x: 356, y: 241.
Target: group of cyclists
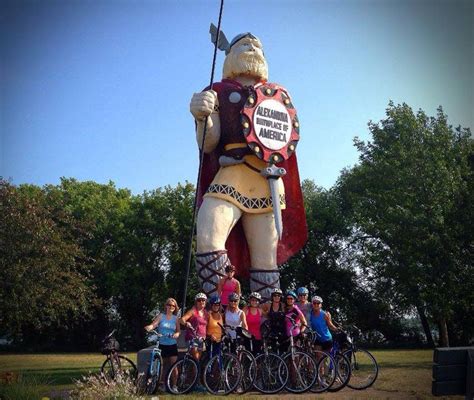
x: 283, y: 315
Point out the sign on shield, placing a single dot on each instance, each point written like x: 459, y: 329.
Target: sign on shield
x: 271, y: 129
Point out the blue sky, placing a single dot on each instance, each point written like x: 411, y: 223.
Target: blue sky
x: 99, y: 90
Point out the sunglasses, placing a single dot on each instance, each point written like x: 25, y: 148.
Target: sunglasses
x: 232, y: 301
x: 201, y: 300
x: 171, y: 305
x: 289, y: 298
x: 316, y: 302
x: 216, y: 304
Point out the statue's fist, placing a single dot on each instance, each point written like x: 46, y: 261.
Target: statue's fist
x: 203, y: 104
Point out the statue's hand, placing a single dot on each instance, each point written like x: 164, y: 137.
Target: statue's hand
x: 203, y: 104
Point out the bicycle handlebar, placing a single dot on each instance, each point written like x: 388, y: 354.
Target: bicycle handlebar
x: 110, y: 334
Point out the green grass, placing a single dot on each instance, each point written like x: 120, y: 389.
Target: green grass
x: 403, y: 373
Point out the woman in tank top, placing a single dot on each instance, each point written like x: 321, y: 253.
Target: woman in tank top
x: 321, y: 322
x: 167, y: 324
x: 196, y: 318
x: 234, y: 316
x: 228, y: 285
x: 214, y: 325
x: 253, y: 314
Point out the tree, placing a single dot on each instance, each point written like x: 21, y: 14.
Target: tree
x: 406, y: 197
x: 43, y: 270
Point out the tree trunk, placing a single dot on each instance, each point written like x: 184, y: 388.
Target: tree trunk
x: 426, y: 325
x: 443, y: 332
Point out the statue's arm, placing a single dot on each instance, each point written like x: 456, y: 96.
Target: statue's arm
x: 205, y: 109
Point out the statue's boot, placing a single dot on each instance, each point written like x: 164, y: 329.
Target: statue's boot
x: 264, y: 281
x: 210, y: 268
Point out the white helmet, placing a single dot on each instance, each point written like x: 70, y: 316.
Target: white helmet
x: 200, y: 296
x: 255, y: 295
x: 316, y: 299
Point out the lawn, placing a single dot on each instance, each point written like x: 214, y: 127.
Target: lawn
x: 403, y: 374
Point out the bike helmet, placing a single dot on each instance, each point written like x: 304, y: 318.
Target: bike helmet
x: 215, y: 299
x: 255, y: 295
x: 234, y: 296
x: 230, y: 268
x: 302, y: 290
x: 291, y: 293
x: 200, y: 296
x: 277, y: 291
x: 316, y: 299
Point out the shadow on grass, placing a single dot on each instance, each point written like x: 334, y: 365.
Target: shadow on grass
x: 397, y: 365
x: 60, y: 376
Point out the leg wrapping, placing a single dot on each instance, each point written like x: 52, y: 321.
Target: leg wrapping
x: 264, y: 281
x: 210, y: 268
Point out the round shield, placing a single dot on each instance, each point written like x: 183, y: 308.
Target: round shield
x: 270, y: 124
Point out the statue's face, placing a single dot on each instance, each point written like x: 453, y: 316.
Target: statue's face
x: 246, y: 58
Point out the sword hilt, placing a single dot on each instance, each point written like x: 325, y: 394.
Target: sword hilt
x: 273, y: 172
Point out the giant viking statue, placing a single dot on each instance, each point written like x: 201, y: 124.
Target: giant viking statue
x: 251, y: 212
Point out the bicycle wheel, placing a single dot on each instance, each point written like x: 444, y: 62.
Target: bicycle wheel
x: 364, y: 368
x: 343, y: 373
x: 302, y: 370
x: 182, y: 376
x: 222, y: 374
x: 118, y: 367
x: 249, y: 371
x: 154, y: 375
x: 326, y: 374
x: 272, y: 373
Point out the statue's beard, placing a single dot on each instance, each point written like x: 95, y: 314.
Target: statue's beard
x: 247, y: 64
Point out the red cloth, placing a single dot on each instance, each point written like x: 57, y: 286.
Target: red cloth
x: 295, y: 231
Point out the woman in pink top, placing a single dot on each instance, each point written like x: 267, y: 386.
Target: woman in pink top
x: 228, y: 285
x: 254, y: 320
x: 292, y: 311
x: 196, y: 318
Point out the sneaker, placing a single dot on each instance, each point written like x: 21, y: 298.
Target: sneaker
x: 174, y: 389
x: 200, y: 388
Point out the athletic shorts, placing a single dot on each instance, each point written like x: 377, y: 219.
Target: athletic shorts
x: 169, y: 350
x: 324, y: 345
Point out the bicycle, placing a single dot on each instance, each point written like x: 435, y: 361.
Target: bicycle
x: 272, y: 372
x: 336, y: 364
x: 183, y: 374
x: 364, y: 367
x: 245, y: 357
x: 223, y: 372
x: 115, y: 365
x: 326, y: 371
x: 302, y: 367
x: 155, y: 368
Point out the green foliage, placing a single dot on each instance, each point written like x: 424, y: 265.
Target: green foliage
x: 43, y: 270
x: 410, y: 200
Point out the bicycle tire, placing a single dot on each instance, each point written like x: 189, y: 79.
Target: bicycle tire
x: 364, y: 368
x: 187, y: 371
x: 272, y: 373
x: 249, y: 371
x: 222, y: 374
x: 124, y: 367
x: 343, y: 373
x: 302, y: 371
x: 326, y: 374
